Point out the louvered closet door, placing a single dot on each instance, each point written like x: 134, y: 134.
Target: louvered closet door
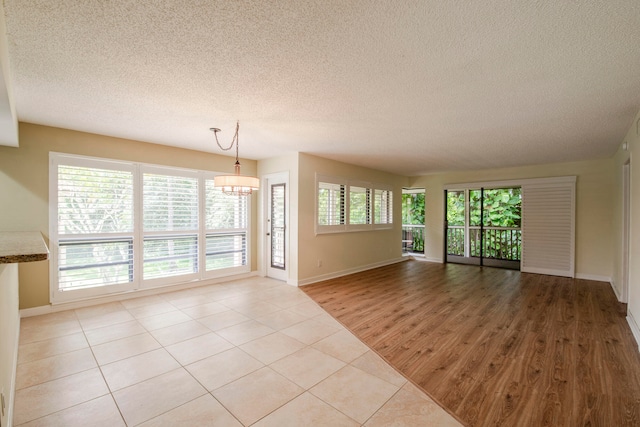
x: 548, y: 226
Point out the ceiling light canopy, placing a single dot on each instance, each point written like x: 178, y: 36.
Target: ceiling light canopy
x: 236, y: 184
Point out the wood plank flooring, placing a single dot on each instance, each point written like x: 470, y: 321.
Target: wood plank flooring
x: 497, y: 347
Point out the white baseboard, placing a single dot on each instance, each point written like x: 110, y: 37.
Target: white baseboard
x: 430, y: 259
x: 545, y: 271
x: 348, y: 271
x: 53, y: 308
x: 634, y: 328
x: 594, y: 277
x: 615, y: 291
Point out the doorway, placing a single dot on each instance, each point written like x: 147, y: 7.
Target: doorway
x: 277, y: 234
x: 483, y: 226
x: 413, y: 217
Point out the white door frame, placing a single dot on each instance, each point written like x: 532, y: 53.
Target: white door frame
x: 626, y: 228
x: 267, y: 181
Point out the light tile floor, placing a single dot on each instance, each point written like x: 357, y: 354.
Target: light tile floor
x: 247, y: 352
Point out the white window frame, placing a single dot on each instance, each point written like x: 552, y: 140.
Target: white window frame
x: 333, y: 228
x: 367, y: 225
x: 177, y: 172
x: 229, y: 271
x: 138, y: 283
x: 347, y: 226
x: 387, y: 221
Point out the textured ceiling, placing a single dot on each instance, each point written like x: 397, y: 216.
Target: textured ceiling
x: 411, y: 87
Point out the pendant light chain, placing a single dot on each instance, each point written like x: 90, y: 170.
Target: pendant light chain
x: 236, y: 184
x: 235, y: 140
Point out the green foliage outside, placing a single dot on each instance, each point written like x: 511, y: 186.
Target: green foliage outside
x: 413, y: 208
x: 359, y: 206
x: 413, y: 214
x: 99, y: 202
x: 502, y: 208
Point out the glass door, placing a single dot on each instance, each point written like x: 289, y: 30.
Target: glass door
x: 483, y: 226
x: 456, y: 229
x: 276, y: 227
x: 413, y: 209
x: 277, y: 221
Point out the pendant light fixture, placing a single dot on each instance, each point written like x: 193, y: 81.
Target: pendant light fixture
x: 236, y: 184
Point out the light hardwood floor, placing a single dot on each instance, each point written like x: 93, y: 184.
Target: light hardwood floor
x: 497, y: 347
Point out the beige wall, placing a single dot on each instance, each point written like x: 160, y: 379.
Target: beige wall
x: 594, y: 211
x: 24, y: 184
x: 9, y: 331
x: 342, y: 252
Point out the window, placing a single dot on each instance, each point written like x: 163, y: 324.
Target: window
x: 331, y: 204
x: 118, y: 226
x: 383, y: 206
x: 359, y: 205
x: 94, y: 224
x: 170, y: 224
x: 226, y: 229
x: 342, y: 205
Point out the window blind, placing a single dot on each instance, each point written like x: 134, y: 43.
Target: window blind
x: 119, y: 226
x: 383, y: 206
x: 226, y: 229
x: 359, y: 205
x: 170, y: 225
x: 94, y: 226
x: 331, y: 204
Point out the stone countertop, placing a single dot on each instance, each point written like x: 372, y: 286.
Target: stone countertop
x: 22, y: 246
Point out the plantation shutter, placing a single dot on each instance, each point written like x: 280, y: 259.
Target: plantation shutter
x: 170, y: 225
x: 226, y: 222
x: 383, y: 206
x: 95, y: 227
x: 330, y: 204
x: 548, y: 226
x: 359, y: 205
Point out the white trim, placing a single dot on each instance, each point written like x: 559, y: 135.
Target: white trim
x: 595, y: 277
x: 347, y: 227
x: 137, y: 233
x: 421, y: 258
x: 432, y: 259
x: 417, y: 190
x: 598, y: 278
x: 626, y: 230
x: 615, y: 291
x: 548, y: 272
x: 54, y: 308
x: 510, y: 183
x: 634, y: 328
x: 267, y: 181
x: 348, y: 271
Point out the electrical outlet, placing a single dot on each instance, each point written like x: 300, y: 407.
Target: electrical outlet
x: 319, y: 263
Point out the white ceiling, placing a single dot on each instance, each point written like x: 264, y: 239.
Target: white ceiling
x: 411, y: 87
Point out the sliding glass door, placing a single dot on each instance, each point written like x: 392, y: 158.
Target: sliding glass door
x: 482, y: 226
